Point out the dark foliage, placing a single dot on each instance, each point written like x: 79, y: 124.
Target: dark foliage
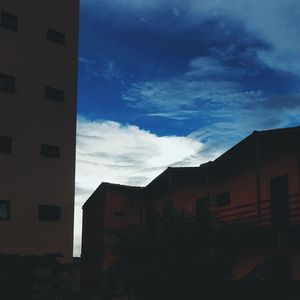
x: 178, y: 256
x: 174, y: 256
x: 34, y: 278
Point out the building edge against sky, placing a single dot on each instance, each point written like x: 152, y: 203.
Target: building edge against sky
x: 38, y: 101
x: 257, y: 182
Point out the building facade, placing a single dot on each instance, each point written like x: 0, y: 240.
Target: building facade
x: 111, y: 206
x: 38, y: 94
x: 254, y: 186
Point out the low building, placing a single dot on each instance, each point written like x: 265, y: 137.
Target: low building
x: 175, y: 187
x: 255, y: 185
x: 257, y: 182
x: 111, y: 206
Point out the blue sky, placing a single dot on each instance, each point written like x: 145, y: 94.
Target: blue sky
x: 172, y: 82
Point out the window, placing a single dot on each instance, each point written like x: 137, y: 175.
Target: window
x: 201, y: 204
x: 223, y: 199
x: 50, y: 151
x: 9, y: 21
x: 119, y: 214
x: 4, y: 210
x: 5, y: 144
x: 56, y: 36
x: 54, y: 94
x: 7, y: 83
x: 49, y: 213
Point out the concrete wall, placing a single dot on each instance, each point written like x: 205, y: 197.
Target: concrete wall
x: 278, y: 156
x: 110, y: 207
x: 28, y: 179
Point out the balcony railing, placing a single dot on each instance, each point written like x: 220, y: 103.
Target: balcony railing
x: 280, y: 211
x: 268, y: 214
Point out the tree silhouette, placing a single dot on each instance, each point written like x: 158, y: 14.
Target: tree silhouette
x: 34, y: 278
x: 170, y: 256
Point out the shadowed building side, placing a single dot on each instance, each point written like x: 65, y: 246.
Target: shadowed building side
x: 38, y: 95
x: 257, y: 183
x: 178, y: 188
x: 254, y: 186
x: 111, y: 206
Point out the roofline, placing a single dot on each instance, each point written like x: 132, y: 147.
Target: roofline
x: 277, y: 130
x: 167, y: 171
x: 104, y: 185
x: 255, y: 133
x: 120, y: 185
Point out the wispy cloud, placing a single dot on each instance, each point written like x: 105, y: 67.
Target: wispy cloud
x: 204, y: 84
x: 205, y: 89
x: 107, y: 69
x: 213, y: 93
x: 276, y: 22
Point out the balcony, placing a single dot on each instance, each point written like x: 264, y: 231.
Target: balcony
x: 271, y: 213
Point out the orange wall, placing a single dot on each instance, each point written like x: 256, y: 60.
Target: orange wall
x: 98, y: 215
x: 186, y: 192
x: 27, y: 179
x: 126, y: 202
x: 276, y: 160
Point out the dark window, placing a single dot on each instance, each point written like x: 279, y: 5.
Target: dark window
x: 227, y: 268
x: 4, y: 210
x: 202, y: 214
x: 9, y: 21
x: 49, y: 213
x: 119, y: 214
x: 56, y: 36
x: 223, y: 199
x: 279, y: 190
x: 54, y: 94
x: 7, y: 83
x: 5, y: 144
x: 201, y: 204
x: 50, y: 151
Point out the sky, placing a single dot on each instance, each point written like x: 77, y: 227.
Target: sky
x: 176, y: 83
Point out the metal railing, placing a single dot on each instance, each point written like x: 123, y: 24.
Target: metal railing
x: 269, y: 212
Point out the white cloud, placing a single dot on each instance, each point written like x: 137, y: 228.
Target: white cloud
x: 111, y: 152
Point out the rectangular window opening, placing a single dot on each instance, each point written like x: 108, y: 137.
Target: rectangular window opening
x: 5, y: 144
x: 56, y: 36
x: 223, y: 199
x: 9, y: 21
x: 4, y: 210
x: 54, y: 94
x: 7, y: 83
x: 50, y: 151
x: 49, y: 213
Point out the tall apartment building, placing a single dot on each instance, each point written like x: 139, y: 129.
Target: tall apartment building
x: 38, y: 91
